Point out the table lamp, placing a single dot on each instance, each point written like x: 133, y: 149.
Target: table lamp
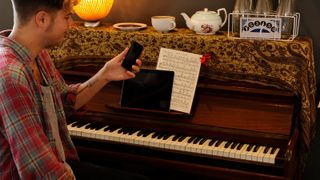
x: 93, y: 11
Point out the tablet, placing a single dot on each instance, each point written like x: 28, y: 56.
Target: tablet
x: 150, y: 89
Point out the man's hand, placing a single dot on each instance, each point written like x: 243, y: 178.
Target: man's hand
x: 113, y: 71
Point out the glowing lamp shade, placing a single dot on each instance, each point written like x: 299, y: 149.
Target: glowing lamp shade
x: 92, y: 11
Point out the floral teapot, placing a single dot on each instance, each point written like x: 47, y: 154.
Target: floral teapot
x: 205, y: 22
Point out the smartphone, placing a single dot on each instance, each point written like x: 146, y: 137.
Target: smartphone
x: 133, y: 54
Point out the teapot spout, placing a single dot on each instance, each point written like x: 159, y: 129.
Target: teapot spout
x: 187, y: 19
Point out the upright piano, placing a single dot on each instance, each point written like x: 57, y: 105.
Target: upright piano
x: 253, y: 115
x: 235, y: 131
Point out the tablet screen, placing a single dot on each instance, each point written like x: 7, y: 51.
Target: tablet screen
x: 150, y: 89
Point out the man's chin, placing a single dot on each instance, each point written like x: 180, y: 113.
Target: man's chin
x: 53, y: 44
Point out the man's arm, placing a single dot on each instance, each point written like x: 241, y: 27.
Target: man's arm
x: 111, y: 71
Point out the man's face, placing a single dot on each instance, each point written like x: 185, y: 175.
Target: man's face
x: 57, y: 28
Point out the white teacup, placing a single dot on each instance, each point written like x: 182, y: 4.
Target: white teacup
x: 163, y: 23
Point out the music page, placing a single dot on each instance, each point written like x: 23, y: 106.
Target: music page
x: 186, y: 67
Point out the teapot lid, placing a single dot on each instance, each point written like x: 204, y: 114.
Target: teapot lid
x: 205, y: 15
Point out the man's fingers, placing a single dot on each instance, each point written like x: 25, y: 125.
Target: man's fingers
x: 123, y: 54
x: 135, y: 69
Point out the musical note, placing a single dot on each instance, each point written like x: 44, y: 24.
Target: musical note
x: 186, y: 67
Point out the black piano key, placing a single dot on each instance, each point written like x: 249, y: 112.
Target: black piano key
x: 249, y: 148
x: 273, y: 150
x: 212, y: 142
x: 99, y: 126
x: 234, y: 145
x: 182, y: 138
x: 266, y: 149
x: 256, y: 148
x: 145, y: 134
x: 113, y: 128
x: 166, y: 136
x: 79, y: 124
x: 70, y: 121
x: 120, y: 131
x: 160, y: 136
x: 125, y: 130
x: 191, y: 139
x: 155, y: 135
x: 87, y: 126
x: 240, y: 146
x: 132, y: 131
x: 74, y: 124
x: 176, y: 137
x: 197, y: 140
x: 227, y: 144
x: 141, y: 132
x: 107, y: 128
x: 203, y: 140
x: 218, y: 143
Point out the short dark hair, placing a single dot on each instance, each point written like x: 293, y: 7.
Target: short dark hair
x: 25, y: 9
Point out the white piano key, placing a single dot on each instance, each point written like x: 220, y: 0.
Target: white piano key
x: 155, y: 142
x: 174, y: 144
x: 147, y: 141
x: 261, y: 154
x: 134, y: 138
x: 139, y: 139
x: 181, y: 146
x: 233, y: 151
x: 200, y: 146
x: 243, y: 152
x: 220, y: 149
x: 267, y: 156
x: 255, y: 155
x: 272, y: 157
x: 100, y: 134
x: 164, y: 141
x: 249, y: 154
x: 189, y: 146
x: 87, y: 132
x: 207, y: 149
x: 81, y: 130
x: 71, y: 129
x: 227, y: 151
x: 169, y: 142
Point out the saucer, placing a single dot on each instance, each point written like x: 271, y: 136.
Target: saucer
x: 129, y: 26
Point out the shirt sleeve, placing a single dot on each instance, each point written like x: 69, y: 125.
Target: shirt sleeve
x: 68, y: 93
x: 20, y: 119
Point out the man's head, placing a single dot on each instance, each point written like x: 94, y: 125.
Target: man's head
x: 46, y: 21
x: 25, y: 9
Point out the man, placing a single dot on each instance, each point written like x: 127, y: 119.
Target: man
x: 34, y: 140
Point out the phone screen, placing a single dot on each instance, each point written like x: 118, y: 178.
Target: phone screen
x: 133, y: 54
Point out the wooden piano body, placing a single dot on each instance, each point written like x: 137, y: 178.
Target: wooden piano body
x: 227, y: 112
x: 234, y: 102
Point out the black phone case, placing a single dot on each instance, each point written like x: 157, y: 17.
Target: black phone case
x: 133, y: 54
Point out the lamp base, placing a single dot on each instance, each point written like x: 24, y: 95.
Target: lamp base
x: 91, y: 23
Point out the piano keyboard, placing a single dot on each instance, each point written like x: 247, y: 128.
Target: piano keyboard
x: 198, y: 145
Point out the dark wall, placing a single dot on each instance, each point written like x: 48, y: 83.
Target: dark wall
x: 142, y: 10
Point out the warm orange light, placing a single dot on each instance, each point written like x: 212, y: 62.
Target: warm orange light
x: 93, y: 10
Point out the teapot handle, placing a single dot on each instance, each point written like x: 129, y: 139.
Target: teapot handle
x: 225, y: 15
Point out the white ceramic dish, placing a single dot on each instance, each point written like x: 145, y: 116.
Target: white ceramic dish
x: 129, y: 26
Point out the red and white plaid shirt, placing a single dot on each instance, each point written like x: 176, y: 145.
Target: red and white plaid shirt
x: 27, y: 147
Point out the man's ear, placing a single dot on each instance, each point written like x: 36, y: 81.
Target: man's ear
x: 42, y: 19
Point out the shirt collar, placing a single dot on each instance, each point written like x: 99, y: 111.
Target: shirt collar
x: 18, y: 49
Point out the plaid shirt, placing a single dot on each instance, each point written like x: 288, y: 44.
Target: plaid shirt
x: 27, y: 147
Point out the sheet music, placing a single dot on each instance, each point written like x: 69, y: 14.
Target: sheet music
x: 186, y: 67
